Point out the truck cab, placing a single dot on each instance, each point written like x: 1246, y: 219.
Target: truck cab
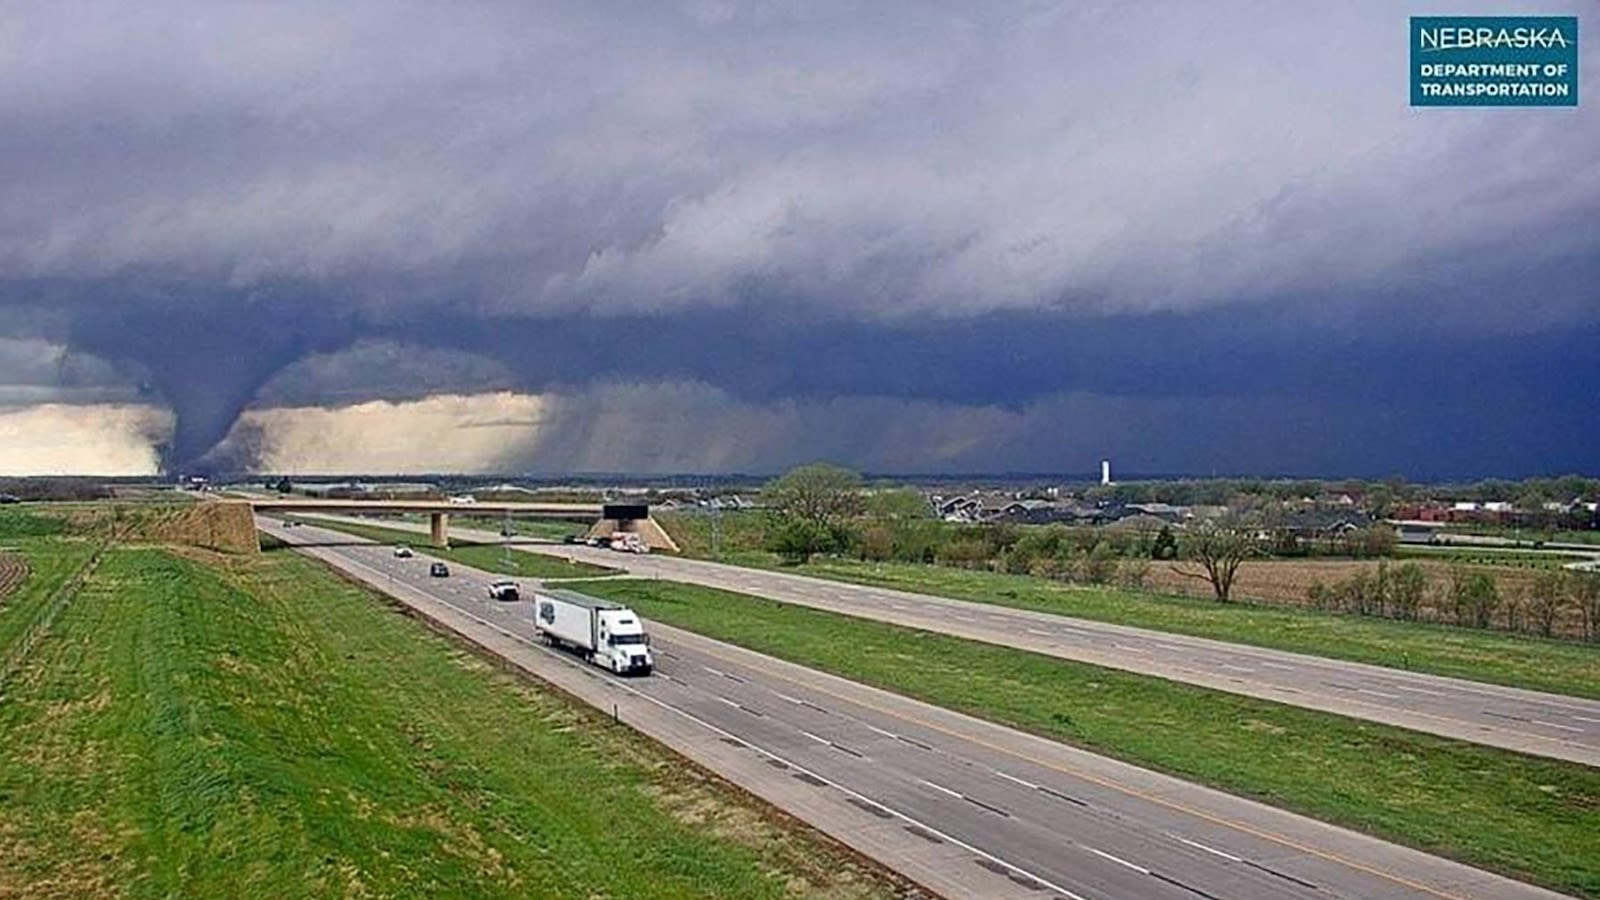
x: 624, y: 646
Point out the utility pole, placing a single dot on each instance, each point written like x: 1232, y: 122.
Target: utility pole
x: 505, y: 542
x: 716, y: 528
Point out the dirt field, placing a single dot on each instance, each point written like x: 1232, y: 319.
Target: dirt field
x: 1287, y: 582
x: 13, y: 569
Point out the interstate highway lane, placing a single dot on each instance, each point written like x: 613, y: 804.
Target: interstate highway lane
x: 1052, y: 820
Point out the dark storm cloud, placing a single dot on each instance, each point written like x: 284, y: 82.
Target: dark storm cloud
x: 236, y: 203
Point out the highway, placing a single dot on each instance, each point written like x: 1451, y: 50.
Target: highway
x: 1542, y: 724
x: 965, y: 807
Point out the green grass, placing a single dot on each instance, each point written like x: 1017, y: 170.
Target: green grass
x: 50, y: 564
x: 25, y: 522
x: 1531, y: 818
x: 257, y: 728
x: 1489, y: 557
x: 535, y: 528
x: 488, y: 557
x: 1560, y: 667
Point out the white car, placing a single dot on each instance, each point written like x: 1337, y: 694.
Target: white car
x: 464, y: 499
x: 503, y: 590
x: 403, y: 552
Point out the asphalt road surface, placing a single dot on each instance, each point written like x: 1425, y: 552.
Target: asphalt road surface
x: 1542, y: 724
x: 991, y: 811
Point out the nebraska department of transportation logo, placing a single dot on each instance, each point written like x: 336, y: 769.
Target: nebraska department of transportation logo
x: 1494, y: 61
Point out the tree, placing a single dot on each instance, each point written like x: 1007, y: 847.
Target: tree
x: 898, y: 503
x: 1546, y: 596
x: 821, y: 494
x: 1165, y: 546
x: 1406, y: 588
x: 1100, y: 565
x: 1218, y: 548
x: 797, y: 540
x: 1584, y: 588
x: 1473, y: 597
x: 812, y: 507
x: 877, y: 543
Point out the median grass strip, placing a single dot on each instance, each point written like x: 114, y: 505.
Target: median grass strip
x: 1545, y: 665
x: 488, y: 557
x: 205, y: 727
x: 1530, y: 818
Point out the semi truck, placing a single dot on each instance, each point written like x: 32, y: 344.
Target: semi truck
x: 607, y: 634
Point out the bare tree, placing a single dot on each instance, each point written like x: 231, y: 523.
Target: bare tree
x: 1584, y: 589
x: 1218, y: 548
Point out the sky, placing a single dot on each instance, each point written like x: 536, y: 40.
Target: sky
x: 710, y: 236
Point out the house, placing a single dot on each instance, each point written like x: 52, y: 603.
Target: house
x: 1164, y: 511
x: 1323, y: 523
x: 1140, y: 522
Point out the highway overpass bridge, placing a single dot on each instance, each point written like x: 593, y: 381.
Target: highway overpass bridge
x: 603, y: 518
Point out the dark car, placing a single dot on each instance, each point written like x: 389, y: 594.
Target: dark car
x: 439, y: 570
x: 10, y: 498
x: 571, y: 539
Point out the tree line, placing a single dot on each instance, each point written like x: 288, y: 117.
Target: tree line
x: 1469, y: 598
x: 825, y: 510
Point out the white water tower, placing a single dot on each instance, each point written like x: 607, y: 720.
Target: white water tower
x: 1105, y: 471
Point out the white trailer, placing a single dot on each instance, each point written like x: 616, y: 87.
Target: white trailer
x: 607, y: 634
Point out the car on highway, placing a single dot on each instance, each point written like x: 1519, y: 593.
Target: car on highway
x: 10, y: 498
x: 439, y: 570
x: 504, y: 589
x: 403, y: 552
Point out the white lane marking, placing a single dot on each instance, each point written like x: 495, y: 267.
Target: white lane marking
x: 1014, y: 779
x: 726, y: 700
x: 941, y: 788
x: 887, y: 734
x: 663, y: 676
x: 795, y: 700
x: 820, y: 740
x: 1130, y: 649
x: 715, y: 671
x: 1383, y: 694
x: 1586, y: 719
x: 1417, y: 690
x: 1212, y: 850
x: 1234, y: 668
x: 1118, y: 860
x: 1040, y: 633
x: 1273, y: 665
x: 1554, y: 725
x: 628, y: 688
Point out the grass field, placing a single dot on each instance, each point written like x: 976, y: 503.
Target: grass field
x: 536, y: 528
x: 488, y: 557
x: 1480, y: 556
x: 1530, y: 818
x: 49, y: 560
x: 254, y: 727
x: 1558, y: 666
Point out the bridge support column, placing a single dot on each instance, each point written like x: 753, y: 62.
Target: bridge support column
x: 439, y: 529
